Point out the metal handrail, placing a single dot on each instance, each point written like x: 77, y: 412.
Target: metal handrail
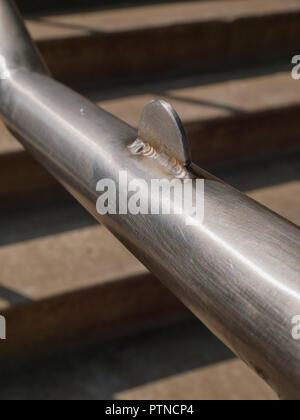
x: 238, y: 271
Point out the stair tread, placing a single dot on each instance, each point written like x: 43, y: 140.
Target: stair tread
x: 152, y: 16
x: 200, y: 102
x: 8, y: 144
x: 92, y: 256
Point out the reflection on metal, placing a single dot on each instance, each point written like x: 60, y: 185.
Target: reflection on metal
x: 238, y: 271
x: 160, y: 126
x: 16, y: 49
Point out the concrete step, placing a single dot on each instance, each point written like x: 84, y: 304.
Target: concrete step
x: 79, y: 285
x: 157, y: 40
x: 232, y: 117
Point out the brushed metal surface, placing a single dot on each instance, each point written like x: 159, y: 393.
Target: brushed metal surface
x: 238, y: 271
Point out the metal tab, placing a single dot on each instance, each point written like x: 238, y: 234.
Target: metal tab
x: 161, y: 127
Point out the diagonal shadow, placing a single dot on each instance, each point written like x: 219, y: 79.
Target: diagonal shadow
x: 158, y: 86
x: 40, y: 217
x: 203, y: 102
x: 104, y: 370
x: 13, y: 297
x: 63, y: 25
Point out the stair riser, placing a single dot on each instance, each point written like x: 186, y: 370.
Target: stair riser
x: 141, y: 54
x: 104, y: 311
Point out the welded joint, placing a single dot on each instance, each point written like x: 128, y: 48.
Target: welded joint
x: 161, y: 137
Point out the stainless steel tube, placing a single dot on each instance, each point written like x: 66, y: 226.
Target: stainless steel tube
x: 238, y: 271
